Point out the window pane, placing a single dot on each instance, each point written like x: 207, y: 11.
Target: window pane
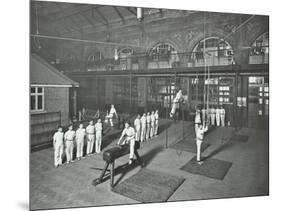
x: 32, y: 90
x: 32, y: 103
x: 40, y: 102
x: 39, y: 90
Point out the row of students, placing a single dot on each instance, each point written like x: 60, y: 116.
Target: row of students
x: 66, y: 141
x: 214, y: 115
x: 146, y: 126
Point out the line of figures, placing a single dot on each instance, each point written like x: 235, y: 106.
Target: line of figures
x: 213, y: 115
x: 66, y: 142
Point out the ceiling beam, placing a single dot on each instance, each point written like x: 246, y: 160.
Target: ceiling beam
x: 131, y: 10
x: 89, y: 20
x: 119, y: 14
x: 102, y: 16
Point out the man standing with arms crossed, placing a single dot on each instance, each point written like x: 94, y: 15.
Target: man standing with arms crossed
x: 143, y: 127
x: 58, y: 147
x: 90, y: 130
x: 98, y: 129
x: 69, y: 137
x: 80, y: 136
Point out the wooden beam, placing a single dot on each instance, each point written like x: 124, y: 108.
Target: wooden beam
x: 97, y: 19
x: 132, y: 11
x: 102, y: 16
x: 119, y: 14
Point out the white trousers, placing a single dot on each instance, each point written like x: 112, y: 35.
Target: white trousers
x: 90, y: 143
x: 147, y: 131
x: 218, y: 120
x: 131, y: 141
x: 79, y: 148
x: 156, y: 127
x: 138, y: 133
x: 143, y: 133
x: 198, y: 144
x: 223, y: 120
x: 213, y: 118
x: 58, y: 151
x: 196, y: 126
x: 152, y: 129
x: 98, y: 141
x: 174, y: 107
x: 69, y: 150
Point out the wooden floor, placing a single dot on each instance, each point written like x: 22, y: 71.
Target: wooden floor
x: 70, y: 185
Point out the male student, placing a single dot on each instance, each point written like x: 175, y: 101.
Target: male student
x: 98, y: 130
x: 58, y: 146
x: 80, y: 136
x: 69, y: 137
x: 199, y: 140
x: 137, y: 124
x: 90, y: 131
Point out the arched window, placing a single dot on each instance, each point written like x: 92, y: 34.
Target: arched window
x: 163, y: 55
x: 217, y: 52
x: 260, y: 50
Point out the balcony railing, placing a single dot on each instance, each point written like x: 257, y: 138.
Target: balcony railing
x: 141, y: 61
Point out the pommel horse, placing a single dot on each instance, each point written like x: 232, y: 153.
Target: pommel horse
x: 109, y: 156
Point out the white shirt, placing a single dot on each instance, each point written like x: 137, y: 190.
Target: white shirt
x: 128, y: 131
x: 137, y: 123
x: 218, y: 111
x: 197, y: 118
x: 152, y: 118
x: 178, y: 97
x: 156, y: 116
x: 112, y: 111
x: 98, y: 127
x: 213, y: 111
x: 58, y: 138
x: 80, y: 133
x: 148, y: 119
x: 222, y: 111
x: 90, y: 129
x: 143, y: 120
x: 69, y: 135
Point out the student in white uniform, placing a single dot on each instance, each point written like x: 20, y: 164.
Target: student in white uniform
x: 143, y: 127
x: 137, y: 124
x: 152, y: 124
x: 80, y: 136
x: 90, y: 131
x: 148, y: 121
x: 176, y: 102
x: 129, y: 132
x: 156, y: 122
x: 112, y: 112
x: 222, y: 115
x: 218, y: 116
x: 204, y: 114
x: 197, y: 120
x: 69, y: 137
x: 58, y: 147
x: 98, y: 130
x: 199, y: 140
x: 213, y: 115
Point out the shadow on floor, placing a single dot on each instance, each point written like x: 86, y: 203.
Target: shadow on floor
x: 222, y: 147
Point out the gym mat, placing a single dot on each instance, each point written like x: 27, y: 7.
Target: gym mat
x: 149, y: 186
x: 213, y: 168
x: 189, y: 146
x: 239, y: 138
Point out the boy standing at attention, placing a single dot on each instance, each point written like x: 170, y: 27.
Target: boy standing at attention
x: 69, y: 139
x: 58, y: 147
x: 80, y: 135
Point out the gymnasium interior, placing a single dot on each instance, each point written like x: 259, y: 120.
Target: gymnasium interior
x: 86, y: 57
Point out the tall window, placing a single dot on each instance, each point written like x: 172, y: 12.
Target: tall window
x: 36, y: 99
x: 163, y: 51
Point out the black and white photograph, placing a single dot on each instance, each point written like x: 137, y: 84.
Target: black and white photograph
x: 136, y: 105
